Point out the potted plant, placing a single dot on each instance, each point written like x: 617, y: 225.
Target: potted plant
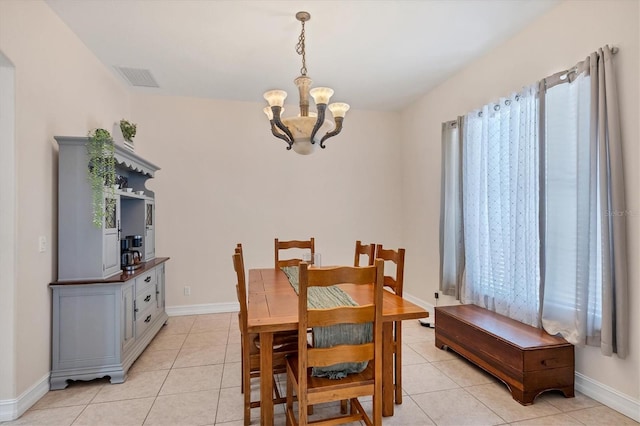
x: 128, y: 130
x: 102, y: 175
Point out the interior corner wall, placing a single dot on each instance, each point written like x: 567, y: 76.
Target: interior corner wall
x: 226, y: 179
x: 7, y: 228
x: 556, y: 41
x: 60, y: 89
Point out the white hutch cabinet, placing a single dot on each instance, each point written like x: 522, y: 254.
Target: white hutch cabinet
x: 103, y: 317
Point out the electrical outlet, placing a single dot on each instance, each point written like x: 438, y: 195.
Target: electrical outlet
x: 42, y: 244
x: 187, y: 291
x: 436, y: 295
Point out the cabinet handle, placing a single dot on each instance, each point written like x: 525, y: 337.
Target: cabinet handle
x: 146, y: 280
x: 147, y: 319
x: 146, y: 299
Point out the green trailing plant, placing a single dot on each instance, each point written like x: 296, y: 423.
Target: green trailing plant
x: 102, y: 176
x: 128, y: 130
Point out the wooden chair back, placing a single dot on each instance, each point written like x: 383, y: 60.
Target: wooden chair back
x: 396, y: 257
x: 241, y: 289
x: 312, y: 390
x: 368, y: 250
x: 292, y: 244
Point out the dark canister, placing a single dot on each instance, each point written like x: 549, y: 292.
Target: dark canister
x: 136, y: 240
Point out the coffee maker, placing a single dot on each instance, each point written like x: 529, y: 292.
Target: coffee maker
x: 130, y: 259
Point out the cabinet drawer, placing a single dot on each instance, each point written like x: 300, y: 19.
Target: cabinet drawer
x: 145, y: 320
x: 145, y: 298
x: 148, y: 278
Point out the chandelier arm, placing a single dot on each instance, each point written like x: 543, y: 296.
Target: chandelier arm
x: 282, y: 136
x: 276, y: 120
x: 321, y: 112
x: 332, y: 133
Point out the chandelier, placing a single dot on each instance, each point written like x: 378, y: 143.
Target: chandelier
x: 309, y: 128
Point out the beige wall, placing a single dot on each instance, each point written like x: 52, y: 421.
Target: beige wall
x: 556, y: 41
x: 226, y: 179
x: 61, y: 89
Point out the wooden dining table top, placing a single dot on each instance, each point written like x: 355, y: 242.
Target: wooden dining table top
x: 273, y: 303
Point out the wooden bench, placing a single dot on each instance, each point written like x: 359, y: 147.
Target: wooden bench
x: 527, y: 359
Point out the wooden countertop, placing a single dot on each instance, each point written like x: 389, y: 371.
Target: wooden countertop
x: 124, y: 276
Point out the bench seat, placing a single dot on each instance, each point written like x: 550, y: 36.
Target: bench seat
x: 527, y: 359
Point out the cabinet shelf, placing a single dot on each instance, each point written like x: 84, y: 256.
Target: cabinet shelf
x: 133, y: 195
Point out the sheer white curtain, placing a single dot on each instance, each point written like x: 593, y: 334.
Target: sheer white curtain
x: 501, y: 206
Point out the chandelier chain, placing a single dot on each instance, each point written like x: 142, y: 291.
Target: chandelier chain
x: 300, y: 50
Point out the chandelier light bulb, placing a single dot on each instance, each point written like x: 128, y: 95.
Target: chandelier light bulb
x: 275, y: 97
x: 339, y: 109
x: 321, y: 95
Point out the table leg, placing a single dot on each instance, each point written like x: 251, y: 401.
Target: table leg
x: 387, y: 369
x: 266, y: 384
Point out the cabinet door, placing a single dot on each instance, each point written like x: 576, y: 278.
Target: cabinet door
x: 111, y: 237
x: 128, y: 315
x: 150, y: 230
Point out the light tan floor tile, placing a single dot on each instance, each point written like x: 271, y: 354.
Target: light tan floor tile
x: 232, y: 374
x: 421, y: 378
x: 602, y: 415
x: 558, y: 400
x: 409, y: 356
x: 497, y: 397
x: 554, y: 420
x: 78, y: 393
x: 200, y: 355
x: 193, y: 408
x: 413, y: 332
x: 234, y: 353
x: 51, y: 416
x: 118, y: 413
x: 154, y: 360
x: 463, y: 372
x: 234, y: 335
x: 192, y: 372
x: 137, y: 385
x: 210, y: 338
x: 212, y: 322
x: 178, y: 325
x: 192, y: 379
x: 230, y: 406
x: 164, y: 342
x: 456, y: 407
x: 408, y: 413
x: 428, y: 351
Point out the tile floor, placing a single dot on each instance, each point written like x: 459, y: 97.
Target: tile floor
x: 190, y: 375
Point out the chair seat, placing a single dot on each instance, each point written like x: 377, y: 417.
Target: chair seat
x: 352, y: 386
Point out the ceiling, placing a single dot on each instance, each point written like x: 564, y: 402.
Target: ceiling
x: 377, y: 55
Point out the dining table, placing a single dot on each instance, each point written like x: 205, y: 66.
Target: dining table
x: 273, y: 307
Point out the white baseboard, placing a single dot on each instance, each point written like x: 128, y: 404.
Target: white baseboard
x: 602, y: 393
x: 608, y: 396
x: 11, y: 409
x: 206, y: 308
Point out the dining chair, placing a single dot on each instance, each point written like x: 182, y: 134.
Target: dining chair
x: 368, y: 250
x: 395, y: 283
x: 293, y: 244
x: 311, y: 389
x: 285, y: 343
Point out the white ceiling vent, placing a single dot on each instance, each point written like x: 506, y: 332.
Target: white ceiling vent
x: 138, y: 77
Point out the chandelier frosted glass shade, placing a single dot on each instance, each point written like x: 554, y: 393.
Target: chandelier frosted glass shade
x: 309, y: 128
